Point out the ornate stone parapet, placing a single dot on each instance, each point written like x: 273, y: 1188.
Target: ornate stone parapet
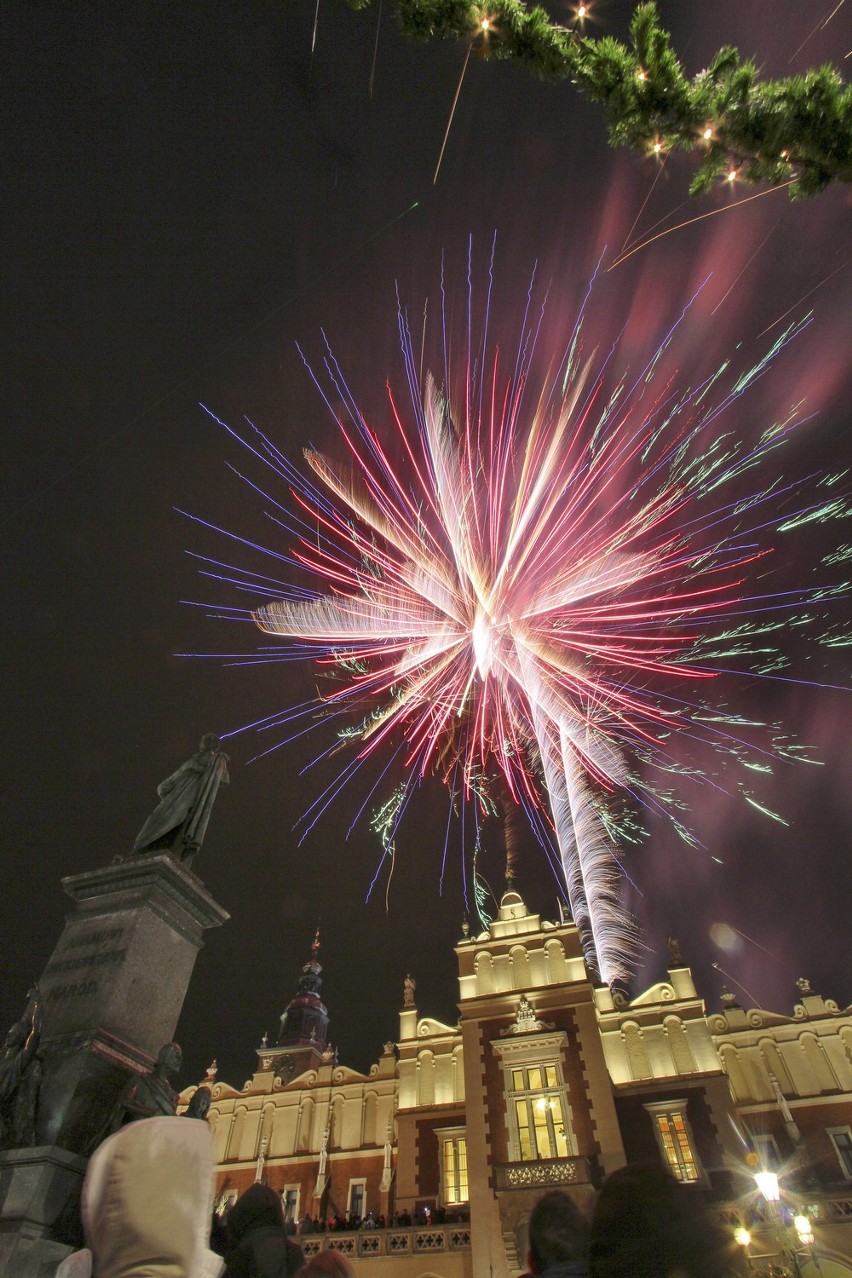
x: 544, y: 1174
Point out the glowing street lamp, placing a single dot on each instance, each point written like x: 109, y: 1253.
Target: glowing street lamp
x: 767, y: 1183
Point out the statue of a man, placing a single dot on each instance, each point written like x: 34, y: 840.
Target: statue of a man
x: 409, y: 985
x: 179, y: 821
x: 20, y: 1076
x: 199, y: 1103
x: 149, y: 1095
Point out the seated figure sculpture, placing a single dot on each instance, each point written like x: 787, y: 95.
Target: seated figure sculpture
x: 149, y: 1095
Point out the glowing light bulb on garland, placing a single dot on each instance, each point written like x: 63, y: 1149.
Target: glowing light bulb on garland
x: 641, y: 74
x: 707, y: 134
x: 731, y: 175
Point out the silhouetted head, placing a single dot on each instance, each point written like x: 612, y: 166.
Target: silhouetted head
x: 258, y: 1207
x: 327, y: 1264
x: 648, y: 1225
x: 558, y: 1231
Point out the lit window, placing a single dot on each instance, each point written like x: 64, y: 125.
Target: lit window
x: 290, y: 1201
x: 675, y: 1139
x: 537, y: 1102
x: 453, y: 1169
x: 841, y: 1138
x: 538, y: 1114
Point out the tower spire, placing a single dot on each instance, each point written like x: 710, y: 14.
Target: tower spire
x: 303, y: 1031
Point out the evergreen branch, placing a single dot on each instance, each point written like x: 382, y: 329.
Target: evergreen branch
x: 796, y: 130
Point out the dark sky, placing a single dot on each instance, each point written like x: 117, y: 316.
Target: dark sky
x: 187, y: 192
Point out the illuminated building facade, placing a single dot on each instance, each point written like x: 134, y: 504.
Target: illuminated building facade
x: 442, y: 1149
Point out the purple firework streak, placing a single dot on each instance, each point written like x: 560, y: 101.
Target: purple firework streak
x: 541, y: 579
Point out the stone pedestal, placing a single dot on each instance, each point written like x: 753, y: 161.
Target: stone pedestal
x: 112, y: 992
x: 39, y: 1209
x: 114, y: 987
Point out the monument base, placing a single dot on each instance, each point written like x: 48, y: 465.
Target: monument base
x: 114, y: 987
x: 39, y: 1210
x: 112, y: 993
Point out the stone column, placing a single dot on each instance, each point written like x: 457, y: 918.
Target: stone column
x: 112, y: 991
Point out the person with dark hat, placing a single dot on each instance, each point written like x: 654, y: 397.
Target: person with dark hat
x: 258, y: 1243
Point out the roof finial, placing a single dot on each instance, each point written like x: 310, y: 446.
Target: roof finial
x: 315, y: 944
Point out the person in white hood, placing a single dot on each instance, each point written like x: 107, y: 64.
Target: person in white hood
x: 146, y: 1204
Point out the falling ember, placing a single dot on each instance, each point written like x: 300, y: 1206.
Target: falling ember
x: 545, y: 580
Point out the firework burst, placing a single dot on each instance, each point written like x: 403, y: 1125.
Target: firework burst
x: 540, y: 577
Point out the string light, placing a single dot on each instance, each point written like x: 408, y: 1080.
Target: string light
x: 641, y: 74
x: 582, y: 11
x: 708, y: 133
x: 731, y: 175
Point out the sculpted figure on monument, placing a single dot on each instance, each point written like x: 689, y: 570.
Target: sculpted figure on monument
x: 179, y: 821
x: 199, y: 1103
x: 148, y: 1095
x: 20, y: 1076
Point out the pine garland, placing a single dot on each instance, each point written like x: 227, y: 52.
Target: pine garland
x: 797, y: 130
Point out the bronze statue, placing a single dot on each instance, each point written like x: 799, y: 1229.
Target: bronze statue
x: 675, y: 956
x: 409, y: 985
x: 199, y: 1103
x: 179, y: 822
x: 20, y: 1076
x: 148, y: 1095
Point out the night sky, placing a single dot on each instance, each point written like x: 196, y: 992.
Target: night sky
x: 188, y: 191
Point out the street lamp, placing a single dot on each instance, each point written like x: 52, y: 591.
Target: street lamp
x: 742, y: 1238
x: 767, y: 1183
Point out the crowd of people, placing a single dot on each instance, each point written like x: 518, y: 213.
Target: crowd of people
x: 149, y: 1188
x: 424, y: 1215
